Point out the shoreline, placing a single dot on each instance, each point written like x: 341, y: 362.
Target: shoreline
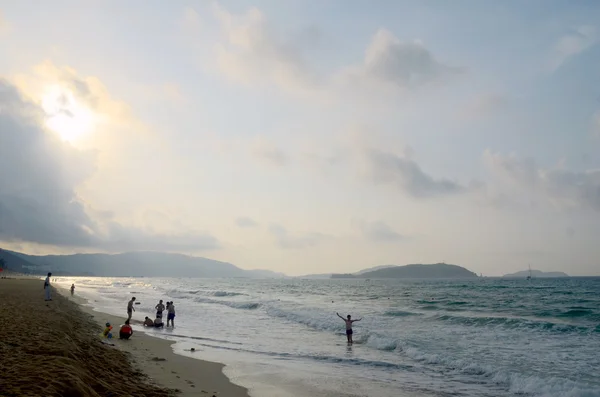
x: 51, y: 348
x: 154, y: 356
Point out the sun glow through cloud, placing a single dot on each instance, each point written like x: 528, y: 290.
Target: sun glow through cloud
x: 65, y: 115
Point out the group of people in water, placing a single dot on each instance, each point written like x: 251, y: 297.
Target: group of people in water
x: 126, y: 331
x: 160, y: 308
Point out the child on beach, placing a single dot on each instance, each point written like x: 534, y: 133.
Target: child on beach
x: 130, y: 308
x: 107, y: 333
x: 148, y: 322
x: 158, y: 323
x: 348, y: 322
x: 171, y: 314
x: 126, y: 331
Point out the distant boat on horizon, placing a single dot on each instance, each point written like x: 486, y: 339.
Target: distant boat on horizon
x: 529, y: 276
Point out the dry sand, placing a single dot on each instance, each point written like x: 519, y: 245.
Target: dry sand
x: 54, y: 349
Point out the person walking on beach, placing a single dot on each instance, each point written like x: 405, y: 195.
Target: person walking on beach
x: 348, y: 322
x: 47, y: 287
x: 130, y: 308
x: 159, y: 309
x: 171, y: 314
x: 72, y: 289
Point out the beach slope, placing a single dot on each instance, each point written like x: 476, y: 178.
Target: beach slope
x: 54, y: 349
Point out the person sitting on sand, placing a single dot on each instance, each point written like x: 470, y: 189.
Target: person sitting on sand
x: 130, y: 308
x: 72, y: 289
x: 158, y: 323
x: 171, y: 314
x: 126, y: 331
x: 47, y: 287
x: 107, y: 333
x: 159, y: 308
x: 148, y: 322
x: 348, y: 322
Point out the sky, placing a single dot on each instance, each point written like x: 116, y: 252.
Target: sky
x: 304, y: 136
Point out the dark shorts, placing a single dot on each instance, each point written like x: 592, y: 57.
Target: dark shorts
x: 124, y: 335
x: 348, y: 332
x: 129, y: 311
x: 158, y: 314
x: 171, y: 316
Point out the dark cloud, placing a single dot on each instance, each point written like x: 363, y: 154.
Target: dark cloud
x: 38, y: 200
x: 243, y: 221
x: 288, y: 241
x: 379, y: 231
x: 384, y: 167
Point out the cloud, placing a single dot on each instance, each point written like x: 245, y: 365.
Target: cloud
x: 268, y: 153
x: 39, y: 176
x: 253, y: 52
x: 378, y: 231
x: 390, y: 62
x: 389, y: 168
x: 572, y: 44
x: 285, y: 240
x: 560, y: 187
x: 485, y: 105
x: 243, y: 221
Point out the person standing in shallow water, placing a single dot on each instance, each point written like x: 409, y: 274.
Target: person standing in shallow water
x: 160, y: 308
x: 130, y: 308
x: 47, y: 287
x: 348, y: 322
x: 72, y: 289
x: 171, y: 314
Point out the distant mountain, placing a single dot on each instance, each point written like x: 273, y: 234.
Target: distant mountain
x: 319, y: 276
x: 370, y: 269
x: 536, y: 274
x: 17, y: 264
x: 139, y: 264
x: 350, y: 275
x: 438, y: 270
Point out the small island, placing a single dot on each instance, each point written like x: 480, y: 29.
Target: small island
x: 436, y: 270
x: 536, y: 274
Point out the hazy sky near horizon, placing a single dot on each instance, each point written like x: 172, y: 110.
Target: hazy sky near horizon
x: 304, y: 136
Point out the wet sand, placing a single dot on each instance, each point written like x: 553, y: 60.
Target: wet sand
x: 54, y: 349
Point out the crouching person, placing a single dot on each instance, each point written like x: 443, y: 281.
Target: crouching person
x: 126, y: 331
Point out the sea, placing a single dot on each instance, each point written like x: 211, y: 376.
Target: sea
x: 281, y: 337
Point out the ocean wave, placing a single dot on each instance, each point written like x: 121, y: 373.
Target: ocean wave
x: 225, y: 293
x: 512, y: 322
x: 580, y: 312
x: 235, y: 305
x: 456, y: 303
x: 321, y: 358
x: 400, y: 313
x: 517, y: 383
x: 311, y: 317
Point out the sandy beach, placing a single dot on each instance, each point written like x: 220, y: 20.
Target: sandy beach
x: 54, y: 349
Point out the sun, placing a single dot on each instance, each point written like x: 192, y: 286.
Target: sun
x: 66, y: 116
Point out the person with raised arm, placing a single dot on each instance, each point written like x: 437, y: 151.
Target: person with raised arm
x: 348, y: 322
